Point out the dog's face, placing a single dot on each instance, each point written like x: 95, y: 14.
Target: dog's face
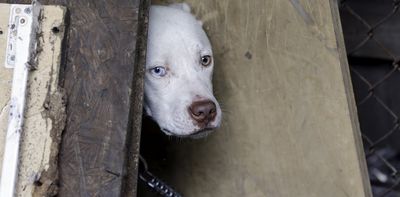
x: 178, y: 88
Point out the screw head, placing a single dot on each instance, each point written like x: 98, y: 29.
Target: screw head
x: 27, y: 10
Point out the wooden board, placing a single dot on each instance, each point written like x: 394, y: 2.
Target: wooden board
x: 99, y: 82
x: 45, y: 111
x: 289, y: 124
x: 104, y: 65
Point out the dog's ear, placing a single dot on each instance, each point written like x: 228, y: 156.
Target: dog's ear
x: 182, y: 6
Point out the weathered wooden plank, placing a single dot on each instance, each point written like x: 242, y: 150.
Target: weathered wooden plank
x: 45, y: 110
x: 133, y: 140
x: 98, y: 81
x: 289, y: 125
x: 104, y: 96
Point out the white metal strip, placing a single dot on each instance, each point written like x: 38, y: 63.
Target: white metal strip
x: 20, y: 50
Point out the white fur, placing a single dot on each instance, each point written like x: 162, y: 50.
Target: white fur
x: 177, y: 41
x: 182, y: 6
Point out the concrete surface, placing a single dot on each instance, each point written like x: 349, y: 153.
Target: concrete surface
x: 290, y: 127
x: 45, y: 113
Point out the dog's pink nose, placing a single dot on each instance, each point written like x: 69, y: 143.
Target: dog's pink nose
x: 203, y: 111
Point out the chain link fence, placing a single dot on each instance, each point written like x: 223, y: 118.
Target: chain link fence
x: 372, y: 36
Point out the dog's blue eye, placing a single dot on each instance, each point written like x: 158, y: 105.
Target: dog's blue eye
x: 158, y: 71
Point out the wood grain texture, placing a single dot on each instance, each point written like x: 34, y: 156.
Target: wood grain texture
x: 133, y: 139
x: 98, y: 80
x: 102, y: 105
x: 289, y: 127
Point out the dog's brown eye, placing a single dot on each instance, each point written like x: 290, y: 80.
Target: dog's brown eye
x: 206, y: 60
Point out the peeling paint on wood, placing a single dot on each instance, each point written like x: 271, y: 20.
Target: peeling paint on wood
x: 45, y: 111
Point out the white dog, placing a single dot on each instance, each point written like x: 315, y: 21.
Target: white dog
x: 178, y: 88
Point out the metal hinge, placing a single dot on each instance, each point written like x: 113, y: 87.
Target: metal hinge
x: 21, y: 49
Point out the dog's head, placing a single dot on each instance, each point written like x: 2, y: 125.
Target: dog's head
x: 178, y: 80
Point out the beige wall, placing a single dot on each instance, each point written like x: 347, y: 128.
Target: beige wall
x: 289, y: 129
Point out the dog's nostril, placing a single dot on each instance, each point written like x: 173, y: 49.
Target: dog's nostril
x: 202, y: 111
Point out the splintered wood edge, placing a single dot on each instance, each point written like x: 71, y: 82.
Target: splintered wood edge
x: 129, y: 187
